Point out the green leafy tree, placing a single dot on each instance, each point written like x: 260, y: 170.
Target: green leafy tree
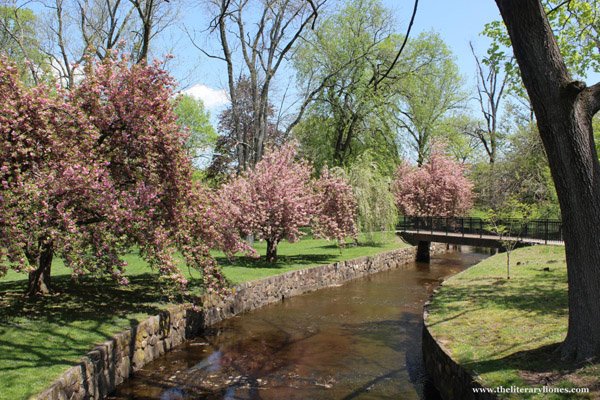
x: 192, y: 115
x: 522, y: 174
x: 376, y: 205
x: 19, y: 42
x: 460, y: 134
x: 506, y: 223
x: 564, y: 108
x: 429, y: 95
x: 576, y: 26
x: 352, y: 111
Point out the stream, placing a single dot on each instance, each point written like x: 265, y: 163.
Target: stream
x: 361, y: 340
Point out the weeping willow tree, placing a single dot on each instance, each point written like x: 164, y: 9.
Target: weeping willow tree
x: 376, y: 207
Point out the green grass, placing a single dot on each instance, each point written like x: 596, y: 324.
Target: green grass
x: 303, y: 254
x: 40, y: 338
x: 507, y: 331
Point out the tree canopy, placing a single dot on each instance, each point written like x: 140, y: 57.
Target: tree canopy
x: 89, y: 173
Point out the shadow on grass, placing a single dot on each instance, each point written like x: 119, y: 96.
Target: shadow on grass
x: 88, y: 299
x: 71, y: 314
x: 549, y: 296
x: 534, y: 293
x: 282, y: 261
x: 55, y: 330
x: 540, y: 366
x: 541, y: 359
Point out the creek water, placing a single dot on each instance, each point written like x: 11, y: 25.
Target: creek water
x: 361, y: 340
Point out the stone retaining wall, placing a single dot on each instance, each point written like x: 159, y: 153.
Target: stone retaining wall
x: 449, y: 378
x: 112, y: 362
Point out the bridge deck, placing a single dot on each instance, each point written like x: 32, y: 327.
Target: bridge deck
x: 469, y: 238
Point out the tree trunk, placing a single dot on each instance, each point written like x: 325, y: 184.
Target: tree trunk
x: 146, y: 14
x: 272, y: 251
x: 493, y: 147
x: 39, y: 280
x: 564, y: 110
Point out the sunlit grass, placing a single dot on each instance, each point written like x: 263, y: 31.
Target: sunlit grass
x: 507, y: 331
x: 304, y: 254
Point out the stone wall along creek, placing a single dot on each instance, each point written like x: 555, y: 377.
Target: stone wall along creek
x: 110, y: 363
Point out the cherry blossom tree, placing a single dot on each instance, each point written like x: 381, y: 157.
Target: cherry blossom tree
x: 278, y: 197
x: 89, y: 173
x: 275, y: 199
x: 336, y: 207
x: 437, y: 188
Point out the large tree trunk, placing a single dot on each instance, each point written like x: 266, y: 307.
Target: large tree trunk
x: 564, y: 111
x: 39, y: 280
x: 271, y: 251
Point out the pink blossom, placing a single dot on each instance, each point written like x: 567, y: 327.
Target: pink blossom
x: 336, y: 213
x: 438, y: 188
x: 100, y: 169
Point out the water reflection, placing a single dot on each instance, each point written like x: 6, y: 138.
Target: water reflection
x: 358, y: 341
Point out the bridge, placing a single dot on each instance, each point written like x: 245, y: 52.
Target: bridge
x: 421, y: 231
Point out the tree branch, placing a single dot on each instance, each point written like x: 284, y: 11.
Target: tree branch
x: 592, y: 94
x: 376, y: 80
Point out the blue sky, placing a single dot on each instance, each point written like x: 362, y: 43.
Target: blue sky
x: 458, y: 22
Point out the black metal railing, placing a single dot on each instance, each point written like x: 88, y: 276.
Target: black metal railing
x: 541, y: 229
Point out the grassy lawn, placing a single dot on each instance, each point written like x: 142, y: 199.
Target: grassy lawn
x: 40, y: 338
x: 507, y: 331
x: 303, y: 254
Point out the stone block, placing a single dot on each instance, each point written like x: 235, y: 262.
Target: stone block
x: 139, y: 359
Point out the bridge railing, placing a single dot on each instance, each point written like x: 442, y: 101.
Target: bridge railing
x: 541, y: 229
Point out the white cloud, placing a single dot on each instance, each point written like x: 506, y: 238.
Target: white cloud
x: 212, y: 98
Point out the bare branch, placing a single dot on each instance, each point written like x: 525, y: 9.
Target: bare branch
x: 374, y: 80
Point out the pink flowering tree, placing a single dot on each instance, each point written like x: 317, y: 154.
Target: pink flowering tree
x: 273, y: 200
x: 278, y: 197
x: 336, y: 209
x: 87, y: 174
x: 438, y: 188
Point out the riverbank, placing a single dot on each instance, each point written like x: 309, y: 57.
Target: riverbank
x: 505, y: 332
x: 41, y: 338
x: 359, y: 340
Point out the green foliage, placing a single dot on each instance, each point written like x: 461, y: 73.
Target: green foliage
x: 576, y: 25
x: 339, y: 61
x: 376, y: 205
x: 316, y: 133
x: 512, y: 208
x: 192, y: 116
x: 499, y: 56
x: 523, y: 176
x: 355, y: 108
x: 20, y: 43
x: 458, y: 133
x: 430, y: 92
